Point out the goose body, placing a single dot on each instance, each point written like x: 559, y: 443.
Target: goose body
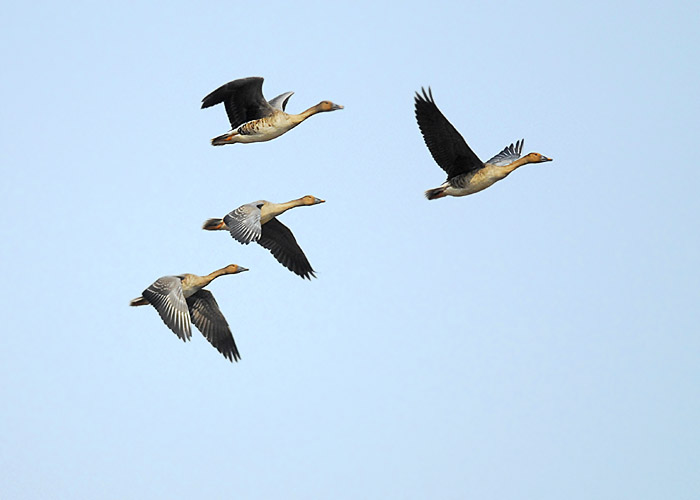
x: 466, y: 173
x: 258, y: 222
x: 252, y: 117
x: 181, y: 299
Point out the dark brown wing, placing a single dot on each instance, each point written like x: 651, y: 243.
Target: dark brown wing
x: 448, y: 147
x: 243, y: 100
x: 209, y: 320
x: 280, y: 241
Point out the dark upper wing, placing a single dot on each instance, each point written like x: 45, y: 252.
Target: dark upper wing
x: 165, y: 294
x: 243, y: 100
x: 280, y: 241
x: 207, y: 317
x: 447, y: 146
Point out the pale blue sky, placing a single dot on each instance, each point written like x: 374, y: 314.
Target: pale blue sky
x: 535, y: 340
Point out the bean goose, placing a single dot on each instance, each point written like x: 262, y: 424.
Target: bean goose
x: 466, y: 173
x: 258, y: 222
x: 254, y: 119
x: 181, y: 299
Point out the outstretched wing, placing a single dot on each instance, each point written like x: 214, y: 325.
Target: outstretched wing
x: 448, y: 147
x: 165, y: 294
x: 209, y: 320
x: 280, y: 241
x: 244, y: 222
x: 508, y: 155
x: 243, y: 100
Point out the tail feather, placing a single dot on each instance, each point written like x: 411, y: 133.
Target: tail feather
x: 213, y: 224
x: 223, y: 139
x: 434, y: 194
x: 140, y: 301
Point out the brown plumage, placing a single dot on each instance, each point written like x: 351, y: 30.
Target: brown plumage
x: 257, y: 222
x: 181, y: 299
x: 466, y: 173
x: 252, y: 117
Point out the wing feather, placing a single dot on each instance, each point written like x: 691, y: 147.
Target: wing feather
x: 280, y: 241
x: 244, y: 222
x: 508, y: 155
x: 280, y: 102
x: 165, y: 294
x: 243, y: 100
x: 447, y: 146
x: 209, y: 320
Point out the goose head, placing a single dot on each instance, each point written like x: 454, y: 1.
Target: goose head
x: 328, y: 106
x: 537, y: 158
x: 311, y: 200
x: 234, y: 269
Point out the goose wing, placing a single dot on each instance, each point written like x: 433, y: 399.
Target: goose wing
x: 243, y: 100
x: 165, y: 294
x: 209, y: 319
x: 280, y: 241
x: 244, y: 222
x: 448, y: 147
x: 508, y: 155
x: 280, y: 102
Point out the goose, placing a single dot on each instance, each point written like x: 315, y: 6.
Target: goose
x: 254, y: 119
x: 181, y: 299
x: 258, y: 222
x: 466, y: 173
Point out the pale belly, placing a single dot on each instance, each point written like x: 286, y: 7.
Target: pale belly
x: 262, y: 135
x: 472, y: 185
x: 262, y: 130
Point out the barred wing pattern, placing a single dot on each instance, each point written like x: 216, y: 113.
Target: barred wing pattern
x: 508, y: 155
x: 244, y: 222
x: 165, y: 294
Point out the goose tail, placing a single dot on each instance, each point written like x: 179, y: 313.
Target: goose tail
x: 213, y: 224
x: 223, y: 139
x: 140, y: 301
x: 434, y: 194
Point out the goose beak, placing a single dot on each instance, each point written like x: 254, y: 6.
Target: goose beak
x: 241, y: 269
x: 336, y: 106
x: 544, y: 158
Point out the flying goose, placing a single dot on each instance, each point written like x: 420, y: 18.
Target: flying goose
x: 254, y: 119
x: 181, y: 299
x: 258, y: 222
x: 466, y: 173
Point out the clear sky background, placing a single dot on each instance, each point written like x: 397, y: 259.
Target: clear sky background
x: 536, y: 340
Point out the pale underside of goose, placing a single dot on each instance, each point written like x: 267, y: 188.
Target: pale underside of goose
x: 181, y: 300
x: 252, y: 117
x: 466, y: 173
